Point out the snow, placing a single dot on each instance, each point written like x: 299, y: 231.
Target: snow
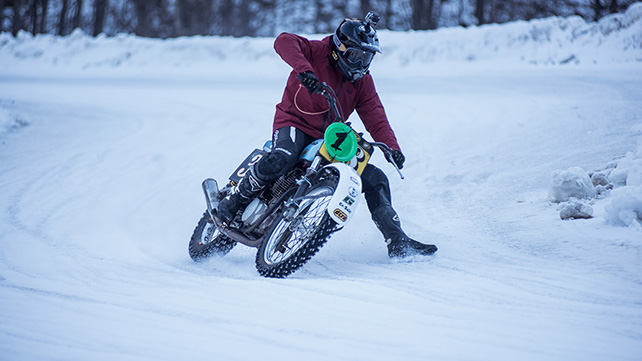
x: 575, y: 210
x: 616, y: 39
x: 625, y: 207
x: 104, y: 143
x: 574, y: 182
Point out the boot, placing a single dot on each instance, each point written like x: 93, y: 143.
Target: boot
x: 241, y: 196
x: 399, y: 244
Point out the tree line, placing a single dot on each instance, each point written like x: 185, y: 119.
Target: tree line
x: 173, y: 18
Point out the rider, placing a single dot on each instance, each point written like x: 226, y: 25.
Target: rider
x: 341, y: 60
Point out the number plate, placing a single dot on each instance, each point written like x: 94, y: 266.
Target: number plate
x: 251, y: 159
x: 359, y: 161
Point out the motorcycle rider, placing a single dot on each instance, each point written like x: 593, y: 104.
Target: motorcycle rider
x: 342, y: 61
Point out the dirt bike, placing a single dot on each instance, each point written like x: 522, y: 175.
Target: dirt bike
x: 291, y: 219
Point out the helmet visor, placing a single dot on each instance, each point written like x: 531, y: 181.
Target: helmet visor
x: 355, y: 56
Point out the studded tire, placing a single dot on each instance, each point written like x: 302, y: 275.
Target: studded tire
x: 206, y: 241
x: 290, y: 244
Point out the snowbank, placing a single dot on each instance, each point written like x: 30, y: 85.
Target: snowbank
x: 129, y: 55
x: 615, y: 39
x: 625, y: 207
x: 619, y: 185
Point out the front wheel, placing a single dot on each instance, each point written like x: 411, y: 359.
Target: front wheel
x: 290, y: 244
x: 207, y: 241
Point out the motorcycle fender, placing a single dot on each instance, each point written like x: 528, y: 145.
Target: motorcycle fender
x: 344, y: 202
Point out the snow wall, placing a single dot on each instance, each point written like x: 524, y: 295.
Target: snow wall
x: 615, y: 39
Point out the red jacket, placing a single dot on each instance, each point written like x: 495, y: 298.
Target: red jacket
x: 303, y: 55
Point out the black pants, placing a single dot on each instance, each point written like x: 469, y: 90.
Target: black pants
x: 289, y: 142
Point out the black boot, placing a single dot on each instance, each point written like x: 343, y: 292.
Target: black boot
x: 399, y: 244
x: 241, y: 196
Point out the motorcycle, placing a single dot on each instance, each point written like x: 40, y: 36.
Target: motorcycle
x: 291, y: 219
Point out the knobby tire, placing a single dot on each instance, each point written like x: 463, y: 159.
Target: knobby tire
x: 201, y: 246
x: 308, y: 246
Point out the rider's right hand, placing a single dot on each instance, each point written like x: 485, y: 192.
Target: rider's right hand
x: 309, y: 80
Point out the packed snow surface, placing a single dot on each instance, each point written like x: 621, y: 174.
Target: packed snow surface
x: 104, y: 143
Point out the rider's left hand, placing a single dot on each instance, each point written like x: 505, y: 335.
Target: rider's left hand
x: 397, y: 157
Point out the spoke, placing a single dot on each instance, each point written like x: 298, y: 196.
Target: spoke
x: 299, y: 231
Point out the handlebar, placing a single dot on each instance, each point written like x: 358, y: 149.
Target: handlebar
x: 324, y: 89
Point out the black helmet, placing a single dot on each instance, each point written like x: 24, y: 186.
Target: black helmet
x: 354, y: 44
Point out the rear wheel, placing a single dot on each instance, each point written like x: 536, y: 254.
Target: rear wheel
x: 290, y: 244
x: 207, y: 241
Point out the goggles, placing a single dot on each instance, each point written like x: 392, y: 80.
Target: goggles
x: 354, y: 56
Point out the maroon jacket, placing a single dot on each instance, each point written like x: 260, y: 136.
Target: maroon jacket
x: 303, y: 55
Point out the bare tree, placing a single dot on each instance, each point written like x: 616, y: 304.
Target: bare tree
x: 77, y: 23
x: 100, y: 7
x: 194, y: 17
x: 33, y: 16
x: 430, y: 22
x: 387, y: 15
x: 244, y: 18
x: 44, y: 6
x: 152, y: 18
x: 38, y: 15
x: 480, y: 12
x: 226, y: 10
x: 17, y: 21
x: 417, y: 14
x: 142, y: 9
x: 366, y: 6
x: 2, y: 7
x: 423, y: 12
x: 62, y: 18
x: 598, y: 9
x: 164, y: 18
x: 323, y: 16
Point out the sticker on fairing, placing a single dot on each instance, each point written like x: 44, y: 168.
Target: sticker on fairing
x: 346, y: 196
x: 337, y: 212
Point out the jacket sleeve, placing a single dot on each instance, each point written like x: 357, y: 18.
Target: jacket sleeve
x: 373, y: 115
x: 294, y: 50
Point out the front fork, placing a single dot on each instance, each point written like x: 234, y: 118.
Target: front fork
x: 304, y: 184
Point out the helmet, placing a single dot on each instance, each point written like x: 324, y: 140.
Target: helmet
x: 354, y: 44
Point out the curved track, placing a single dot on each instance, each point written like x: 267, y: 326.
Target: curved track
x: 100, y: 193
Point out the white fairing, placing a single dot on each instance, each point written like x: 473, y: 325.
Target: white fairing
x: 346, y: 197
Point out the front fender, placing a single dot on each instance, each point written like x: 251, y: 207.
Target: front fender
x: 346, y: 196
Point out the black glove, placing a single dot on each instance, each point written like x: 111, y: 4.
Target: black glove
x: 309, y: 80
x: 397, y: 157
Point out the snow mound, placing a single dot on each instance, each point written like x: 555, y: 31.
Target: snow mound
x: 619, y: 184
x: 625, y: 207
x: 571, y: 183
x: 575, y: 210
x: 614, y: 39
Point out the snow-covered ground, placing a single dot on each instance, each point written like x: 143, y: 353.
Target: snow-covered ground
x: 104, y: 143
